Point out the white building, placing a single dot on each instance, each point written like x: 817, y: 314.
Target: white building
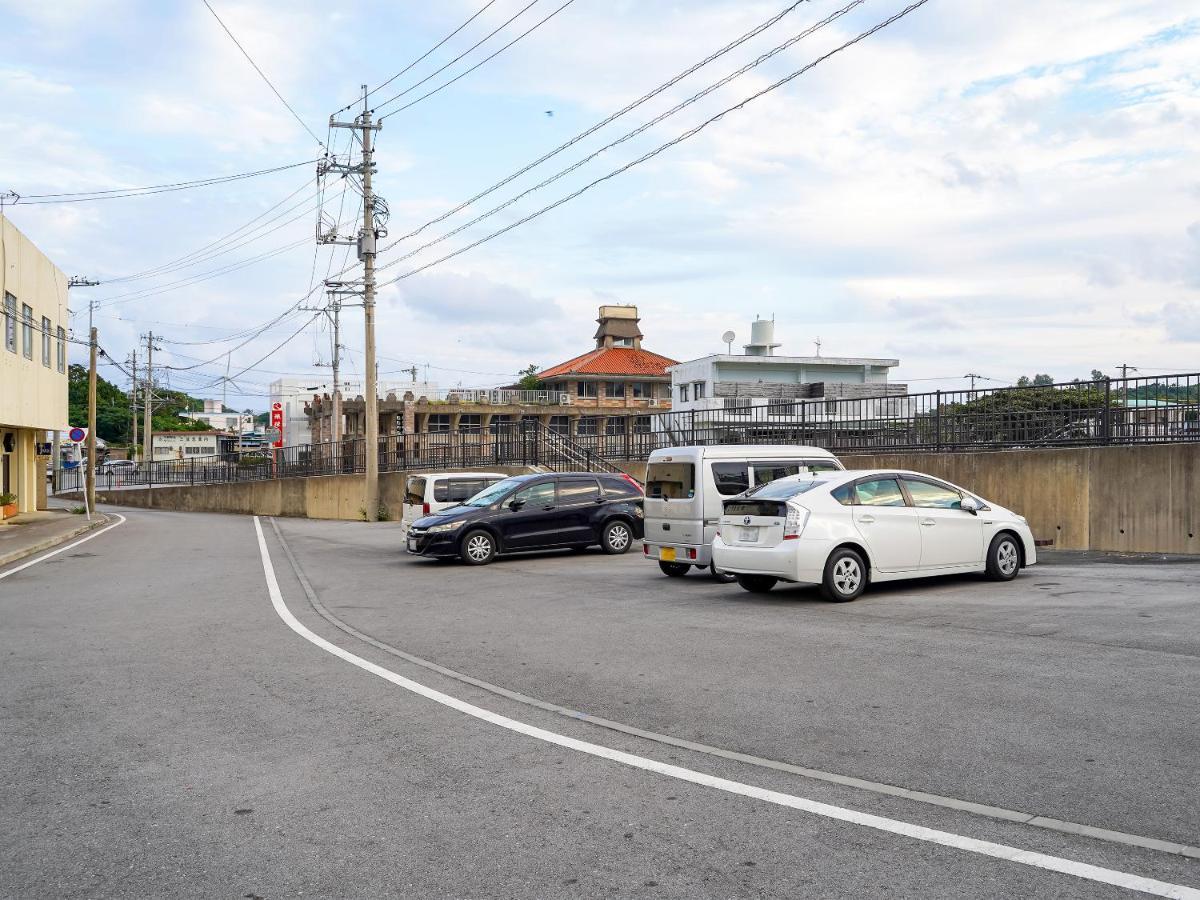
x: 185, y: 444
x: 215, y: 417
x: 293, y: 393
x: 771, y: 391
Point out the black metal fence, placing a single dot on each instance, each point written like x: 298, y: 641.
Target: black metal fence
x: 1142, y: 410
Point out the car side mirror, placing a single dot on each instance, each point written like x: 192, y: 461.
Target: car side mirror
x: 968, y: 504
x: 515, y: 505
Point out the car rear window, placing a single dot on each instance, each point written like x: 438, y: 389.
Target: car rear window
x: 619, y: 487
x: 414, y: 491
x: 755, y: 507
x: 671, y: 480
x: 731, y: 477
x: 578, y: 490
x: 454, y: 490
x: 784, y: 490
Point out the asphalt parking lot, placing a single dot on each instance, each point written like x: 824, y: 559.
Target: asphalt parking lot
x: 372, y: 724
x: 1069, y: 692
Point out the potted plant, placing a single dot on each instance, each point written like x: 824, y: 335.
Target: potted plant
x: 8, y: 505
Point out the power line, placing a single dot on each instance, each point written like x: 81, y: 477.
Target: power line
x: 285, y: 342
x: 629, y: 135
x: 692, y: 132
x: 263, y: 75
x: 436, y: 72
x: 420, y: 58
x: 486, y: 59
x: 118, y: 193
x: 606, y: 121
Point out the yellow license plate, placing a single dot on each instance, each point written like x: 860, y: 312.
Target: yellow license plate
x: 666, y: 554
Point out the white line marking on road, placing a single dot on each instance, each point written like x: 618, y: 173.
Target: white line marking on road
x: 83, y: 540
x: 854, y: 817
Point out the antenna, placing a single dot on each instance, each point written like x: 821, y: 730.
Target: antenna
x: 729, y: 337
x: 818, y: 343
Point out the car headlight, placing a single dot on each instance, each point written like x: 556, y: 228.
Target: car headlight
x: 448, y: 526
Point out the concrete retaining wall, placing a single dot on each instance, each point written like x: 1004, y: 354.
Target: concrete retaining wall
x: 1135, y: 499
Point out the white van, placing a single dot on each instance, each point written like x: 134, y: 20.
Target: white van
x: 430, y: 492
x: 685, y: 488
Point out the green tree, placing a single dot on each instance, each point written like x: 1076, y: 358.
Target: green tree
x: 1097, y: 375
x: 529, y: 380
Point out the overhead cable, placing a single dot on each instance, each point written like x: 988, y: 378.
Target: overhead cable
x: 606, y: 121
x: 629, y: 135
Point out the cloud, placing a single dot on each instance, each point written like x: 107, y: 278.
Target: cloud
x: 470, y: 299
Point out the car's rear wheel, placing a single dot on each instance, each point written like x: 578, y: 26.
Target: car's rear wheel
x: 617, y: 537
x: 720, y: 577
x: 674, y: 570
x: 478, y: 548
x: 1003, y: 558
x: 757, y: 584
x: 845, y: 576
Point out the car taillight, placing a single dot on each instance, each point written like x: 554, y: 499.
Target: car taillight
x: 424, y: 509
x: 633, y: 481
x: 796, y: 519
x: 645, y: 549
x: 691, y: 553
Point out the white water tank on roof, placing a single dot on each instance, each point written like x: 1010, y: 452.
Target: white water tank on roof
x: 762, y: 338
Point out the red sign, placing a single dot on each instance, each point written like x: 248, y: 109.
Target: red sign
x: 277, y: 422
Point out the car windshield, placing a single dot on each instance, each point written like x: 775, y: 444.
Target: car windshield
x: 490, y: 495
x: 784, y: 490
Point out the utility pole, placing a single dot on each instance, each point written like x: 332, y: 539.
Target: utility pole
x: 333, y: 310
x: 133, y: 401
x: 91, y: 435
x: 1125, y: 370
x: 148, y: 403
x: 367, y: 237
x: 972, y: 376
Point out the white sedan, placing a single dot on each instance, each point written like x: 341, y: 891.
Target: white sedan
x: 843, y: 530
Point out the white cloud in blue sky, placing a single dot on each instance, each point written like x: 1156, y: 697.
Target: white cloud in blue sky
x: 995, y: 188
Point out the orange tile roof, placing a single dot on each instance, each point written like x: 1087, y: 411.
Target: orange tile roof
x: 612, y: 361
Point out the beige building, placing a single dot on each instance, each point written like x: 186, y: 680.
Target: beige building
x: 185, y: 444
x: 33, y: 363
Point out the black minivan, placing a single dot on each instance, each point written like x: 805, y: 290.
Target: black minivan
x: 535, y: 512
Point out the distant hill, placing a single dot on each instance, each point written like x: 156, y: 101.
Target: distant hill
x: 114, y: 416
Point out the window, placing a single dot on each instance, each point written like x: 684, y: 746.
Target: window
x: 470, y: 424
x: 698, y: 390
x: 731, y: 477
x: 737, y: 406
x: 414, y: 491
x: 10, y: 322
x: 578, y: 491
x: 47, y: 331
x: 821, y: 465
x: 560, y: 425
x: 587, y: 425
x: 642, y: 390
x: 781, y: 407
x: 438, y: 422
x: 27, y: 330
x: 621, y: 487
x: 195, y: 451
x: 683, y: 393
x: 670, y: 480
x: 615, y: 426
x: 615, y: 389
x: 536, y: 496
x: 928, y: 495
x: 879, y: 492
x: 586, y: 388
x: 843, y: 495
x: 455, y: 490
x: 641, y: 425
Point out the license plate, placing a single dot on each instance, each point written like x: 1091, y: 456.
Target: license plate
x: 666, y: 554
x: 749, y: 534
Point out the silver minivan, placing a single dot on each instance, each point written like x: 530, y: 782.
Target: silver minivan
x: 686, y: 486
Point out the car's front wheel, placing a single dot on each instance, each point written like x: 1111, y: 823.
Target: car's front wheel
x: 757, y: 584
x: 478, y: 548
x: 617, y: 537
x: 674, y: 570
x: 845, y: 576
x: 1003, y: 558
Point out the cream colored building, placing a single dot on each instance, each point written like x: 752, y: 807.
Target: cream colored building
x: 185, y: 444
x: 33, y: 362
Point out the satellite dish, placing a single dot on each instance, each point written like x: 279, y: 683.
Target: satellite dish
x: 728, y: 337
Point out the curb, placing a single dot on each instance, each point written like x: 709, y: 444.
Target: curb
x: 98, y: 520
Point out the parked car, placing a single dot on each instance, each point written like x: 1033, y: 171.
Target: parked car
x: 534, y: 512
x: 431, y: 492
x: 844, y: 530
x: 685, y: 487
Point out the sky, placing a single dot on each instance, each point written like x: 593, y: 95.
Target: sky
x: 1004, y: 189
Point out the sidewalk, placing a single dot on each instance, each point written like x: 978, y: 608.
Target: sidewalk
x: 33, y: 532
